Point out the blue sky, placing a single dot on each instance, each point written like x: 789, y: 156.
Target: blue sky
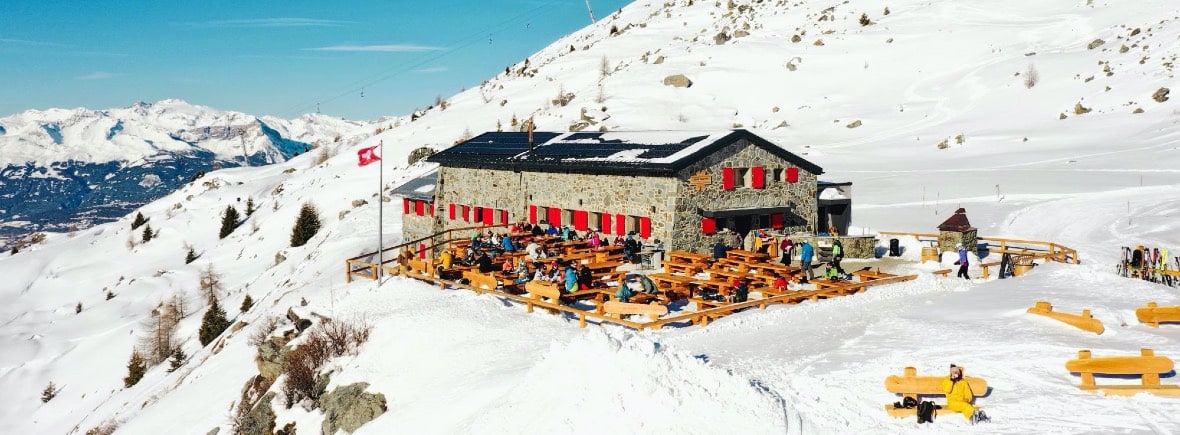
x: 269, y: 57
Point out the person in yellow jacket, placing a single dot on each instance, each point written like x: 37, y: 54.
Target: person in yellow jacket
x: 446, y: 259
x: 959, y: 396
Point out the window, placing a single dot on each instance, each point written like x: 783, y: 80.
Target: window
x: 727, y: 178
x: 466, y: 213
x: 594, y: 220
x: 477, y: 214
x: 451, y: 211
x: 419, y: 207
x: 405, y: 206
x: 567, y: 216
x: 776, y: 174
x: 742, y: 177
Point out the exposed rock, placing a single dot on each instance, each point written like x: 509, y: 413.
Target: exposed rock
x: 1124, y: 49
x: 279, y: 257
x: 1079, y: 109
x: 741, y: 34
x: 1062, y: 116
x: 678, y: 80
x: 943, y: 145
x: 260, y: 420
x: 358, y: 202
x: 1135, y: 32
x: 796, y: 38
x: 721, y: 38
x: 854, y: 124
x: 819, y: 42
x: 1138, y: 110
x: 659, y: 60
x: 1160, y: 95
x: 213, y: 431
x: 272, y: 356
x: 1096, y: 43
x: 349, y: 408
x: 579, y: 126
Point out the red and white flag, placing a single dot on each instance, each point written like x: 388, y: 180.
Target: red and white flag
x: 367, y: 155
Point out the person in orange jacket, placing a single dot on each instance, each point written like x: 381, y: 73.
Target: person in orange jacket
x: 959, y: 396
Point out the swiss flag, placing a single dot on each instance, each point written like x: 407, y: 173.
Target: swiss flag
x: 366, y: 155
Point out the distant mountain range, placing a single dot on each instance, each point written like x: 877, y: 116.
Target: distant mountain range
x: 63, y: 168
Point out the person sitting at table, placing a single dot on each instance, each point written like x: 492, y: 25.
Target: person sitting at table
x: 537, y: 230
x: 649, y: 286
x: 533, y: 250
x: 571, y: 279
x: 469, y: 258
x: 741, y: 290
x: 595, y: 241
x: 719, y: 250
x: 630, y: 247
x: 506, y: 243
x: 485, y: 263
x: 540, y: 275
x: 522, y: 275
x: 831, y: 273
x: 780, y: 283
x: 585, y: 277
x: 618, y: 241
x: 507, y: 267
x: 551, y: 231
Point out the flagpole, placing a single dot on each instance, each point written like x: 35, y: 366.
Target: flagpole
x: 380, y: 212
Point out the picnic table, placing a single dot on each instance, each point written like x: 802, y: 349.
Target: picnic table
x: 608, y: 266
x: 689, y: 257
x: 677, y: 283
x: 685, y: 268
x: 747, y: 256
x: 871, y: 274
x: 771, y: 269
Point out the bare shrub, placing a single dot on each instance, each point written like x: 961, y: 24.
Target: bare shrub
x: 300, y: 377
x: 106, y: 428
x: 1031, y: 77
x: 344, y: 337
x: 210, y: 282
x: 262, y: 332
x: 160, y: 343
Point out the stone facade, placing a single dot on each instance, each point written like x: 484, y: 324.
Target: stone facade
x: 948, y: 239
x: 673, y: 203
x: 854, y: 246
x: 800, y: 196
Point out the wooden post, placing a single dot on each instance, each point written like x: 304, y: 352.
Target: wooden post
x: 347, y: 271
x: 1087, y: 377
x: 582, y: 320
x: 1149, y: 379
x: 1042, y: 305
x: 1153, y: 324
x: 1086, y: 314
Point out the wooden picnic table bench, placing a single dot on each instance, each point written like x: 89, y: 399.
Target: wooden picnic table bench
x: 872, y: 274
x: 909, y: 384
x: 1147, y: 365
x: 774, y: 269
x: 604, y: 266
x: 1152, y: 314
x: 687, y: 269
x: 747, y: 256
x: 652, y: 310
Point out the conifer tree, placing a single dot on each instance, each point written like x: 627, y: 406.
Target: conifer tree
x: 135, y: 369
x: 247, y: 303
x: 49, y: 392
x: 178, y: 359
x: 249, y: 206
x: 306, y: 225
x: 147, y: 233
x: 191, y: 256
x: 229, y: 221
x: 139, y: 220
x: 213, y: 323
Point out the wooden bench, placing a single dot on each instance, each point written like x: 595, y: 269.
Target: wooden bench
x: 652, y: 310
x: 687, y: 269
x: 421, y: 267
x: 1147, y: 365
x: 1153, y: 314
x: 1085, y: 321
x: 944, y: 272
x: 986, y: 266
x: 747, y: 256
x: 909, y: 384
x: 481, y: 280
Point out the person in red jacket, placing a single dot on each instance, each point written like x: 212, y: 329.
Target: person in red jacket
x: 787, y: 248
x: 780, y: 283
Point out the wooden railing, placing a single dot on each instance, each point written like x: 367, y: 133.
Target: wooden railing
x: 355, y: 266
x: 1034, y: 249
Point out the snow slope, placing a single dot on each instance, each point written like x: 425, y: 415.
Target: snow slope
x: 453, y: 362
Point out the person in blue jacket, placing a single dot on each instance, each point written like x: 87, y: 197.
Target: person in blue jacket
x: 719, y: 250
x: 506, y: 242
x: 806, y: 252
x: 571, y: 279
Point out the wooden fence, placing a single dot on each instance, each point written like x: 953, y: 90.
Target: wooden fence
x: 355, y: 266
x: 1032, y: 249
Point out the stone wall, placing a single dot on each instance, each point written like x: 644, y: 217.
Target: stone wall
x: 854, y: 246
x: 948, y: 239
x: 507, y: 190
x: 416, y: 227
x: 800, y: 196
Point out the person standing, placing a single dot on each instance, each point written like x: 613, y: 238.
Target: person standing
x: 837, y: 254
x: 962, y: 262
x: 787, y: 247
x: 805, y: 254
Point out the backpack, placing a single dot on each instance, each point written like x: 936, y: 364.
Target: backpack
x: 926, y: 412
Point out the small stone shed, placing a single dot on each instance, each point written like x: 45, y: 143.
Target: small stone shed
x: 681, y: 187
x: 957, y: 230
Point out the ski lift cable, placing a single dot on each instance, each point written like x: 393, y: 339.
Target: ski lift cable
x: 459, y: 44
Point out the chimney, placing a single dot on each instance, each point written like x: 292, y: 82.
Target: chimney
x: 532, y: 147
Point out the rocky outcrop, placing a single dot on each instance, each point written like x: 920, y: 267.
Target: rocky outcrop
x: 1096, y: 43
x: 350, y: 407
x: 678, y: 80
x: 272, y: 356
x: 261, y: 419
x: 1161, y: 95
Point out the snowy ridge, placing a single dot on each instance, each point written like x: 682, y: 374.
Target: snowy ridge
x: 454, y: 362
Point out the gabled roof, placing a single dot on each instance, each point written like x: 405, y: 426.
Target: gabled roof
x: 957, y: 222
x: 621, y: 153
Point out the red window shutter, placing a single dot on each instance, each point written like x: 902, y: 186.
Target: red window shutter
x: 488, y: 215
x: 708, y: 225
x: 532, y: 214
x: 776, y: 220
x: 421, y: 250
x: 645, y: 227
x: 581, y: 219
x: 727, y: 178
x: 405, y: 205
x: 504, y: 217
x: 792, y: 175
x: 757, y: 178
x: 431, y: 205
x: 451, y: 211
x: 621, y: 224
x: 554, y: 217
x: 419, y: 207
x: 466, y: 213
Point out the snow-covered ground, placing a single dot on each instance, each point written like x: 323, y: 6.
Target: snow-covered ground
x: 454, y: 362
